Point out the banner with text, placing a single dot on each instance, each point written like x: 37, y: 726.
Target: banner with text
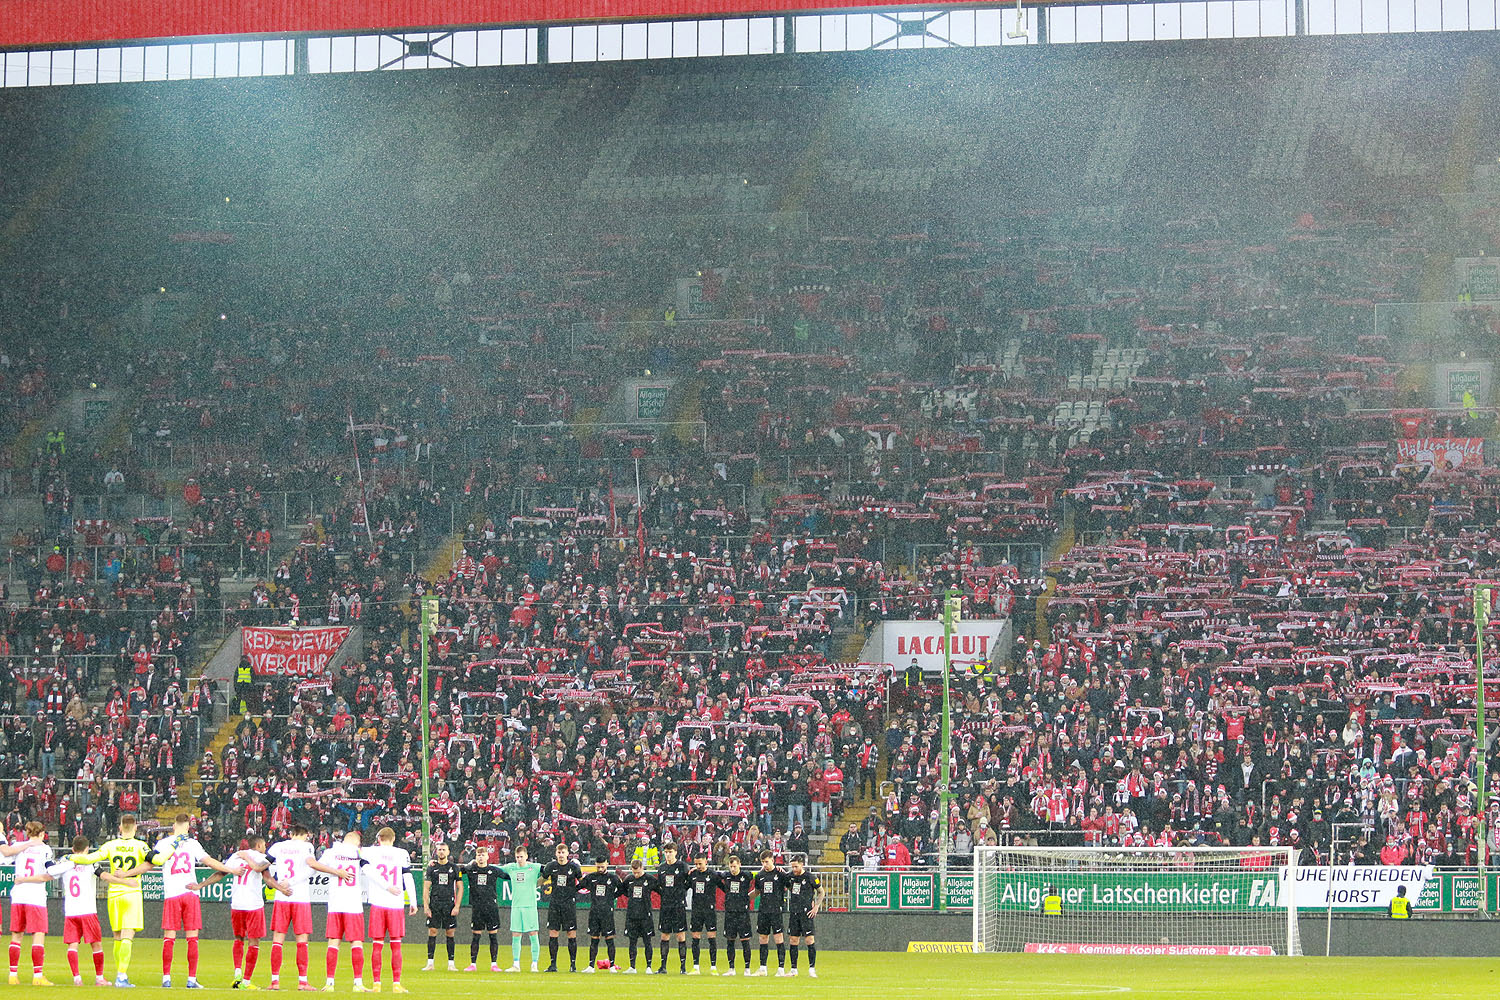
x: 901, y: 642
x: 1357, y: 887
x: 1441, y: 453
x: 291, y: 652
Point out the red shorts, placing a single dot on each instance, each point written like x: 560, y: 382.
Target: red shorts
x: 345, y: 927
x: 85, y: 929
x: 249, y: 924
x: 294, y: 916
x: 182, y: 913
x: 26, y: 919
x: 387, y: 922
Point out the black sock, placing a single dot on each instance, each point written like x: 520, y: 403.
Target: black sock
x: 794, y: 956
x: 682, y: 954
x: 780, y: 954
x: 666, y: 949
x: 713, y: 951
x: 632, y: 953
x: 765, y: 951
x: 812, y: 955
x: 747, y: 953
x: 573, y: 952
x: 593, y: 951
x: 649, y: 958
x: 494, y: 947
x: 696, y: 945
x: 474, y: 949
x: 552, y: 950
x: 431, y: 946
x: 609, y: 943
x: 451, y: 944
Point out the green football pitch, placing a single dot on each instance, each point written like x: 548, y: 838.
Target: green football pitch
x: 871, y: 976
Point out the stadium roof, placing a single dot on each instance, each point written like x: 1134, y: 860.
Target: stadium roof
x: 48, y: 22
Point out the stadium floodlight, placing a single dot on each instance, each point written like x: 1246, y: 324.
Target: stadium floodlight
x: 1019, y: 31
x: 1136, y: 900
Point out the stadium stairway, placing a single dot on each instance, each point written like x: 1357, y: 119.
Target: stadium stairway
x: 828, y: 850
x: 1066, y: 539
x: 437, y: 568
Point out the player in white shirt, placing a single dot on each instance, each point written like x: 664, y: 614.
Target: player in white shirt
x: 393, y: 894
x: 28, y: 901
x: 346, y: 910
x: 291, y: 862
x: 249, y: 875
x: 181, y: 910
x: 80, y: 908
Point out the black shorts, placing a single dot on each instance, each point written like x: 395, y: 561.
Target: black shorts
x: 673, y: 921
x: 704, y: 920
x: 737, y: 925
x: 484, y: 918
x: 638, y: 927
x: 768, y: 923
x: 601, y: 921
x: 443, y: 918
x: 799, y: 925
x: 562, y: 918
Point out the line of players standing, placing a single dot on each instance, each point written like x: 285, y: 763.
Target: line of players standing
x: 782, y: 902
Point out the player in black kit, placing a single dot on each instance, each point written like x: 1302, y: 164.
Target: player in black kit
x: 737, y: 885
x: 637, y: 888
x: 770, y: 886
x: 562, y: 904
x: 440, y: 903
x: 484, y: 907
x: 804, y: 894
x: 704, y: 886
x: 601, y: 889
x: 672, y: 885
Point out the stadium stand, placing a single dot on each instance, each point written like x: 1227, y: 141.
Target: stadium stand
x: 938, y: 334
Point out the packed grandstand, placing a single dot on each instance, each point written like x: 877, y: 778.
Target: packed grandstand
x: 1125, y: 383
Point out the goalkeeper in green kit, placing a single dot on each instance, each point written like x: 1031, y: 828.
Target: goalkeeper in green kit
x: 525, y: 879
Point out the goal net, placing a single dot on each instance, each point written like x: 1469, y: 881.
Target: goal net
x: 1137, y: 901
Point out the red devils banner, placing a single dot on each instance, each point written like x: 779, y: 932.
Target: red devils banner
x: 292, y: 652
x: 1441, y: 453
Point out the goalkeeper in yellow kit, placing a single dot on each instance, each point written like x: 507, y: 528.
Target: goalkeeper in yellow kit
x: 127, y: 857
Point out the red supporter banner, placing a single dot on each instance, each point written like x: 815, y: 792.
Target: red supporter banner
x: 48, y: 22
x: 1441, y: 453
x: 291, y: 652
x: 1077, y: 948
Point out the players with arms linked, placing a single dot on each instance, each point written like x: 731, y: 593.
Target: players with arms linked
x: 484, y: 906
x: 440, y: 900
x: 601, y: 888
x: 737, y: 884
x: 769, y: 887
x: 564, y: 874
x: 672, y: 886
x: 637, y: 888
x: 703, y: 889
x: 804, y: 892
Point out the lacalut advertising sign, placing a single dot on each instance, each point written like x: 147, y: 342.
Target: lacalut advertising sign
x: 900, y: 642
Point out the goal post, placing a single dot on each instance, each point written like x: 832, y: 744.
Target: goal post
x: 1136, y: 901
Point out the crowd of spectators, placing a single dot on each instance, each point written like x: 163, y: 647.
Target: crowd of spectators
x: 1170, y: 450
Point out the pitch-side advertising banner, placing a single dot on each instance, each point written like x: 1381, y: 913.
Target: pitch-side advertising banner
x: 292, y: 652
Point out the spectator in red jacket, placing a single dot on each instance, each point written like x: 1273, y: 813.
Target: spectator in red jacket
x: 833, y: 777
x: 817, y: 790
x: 897, y: 857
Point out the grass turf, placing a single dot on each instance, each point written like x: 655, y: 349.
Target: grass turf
x: 856, y: 976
